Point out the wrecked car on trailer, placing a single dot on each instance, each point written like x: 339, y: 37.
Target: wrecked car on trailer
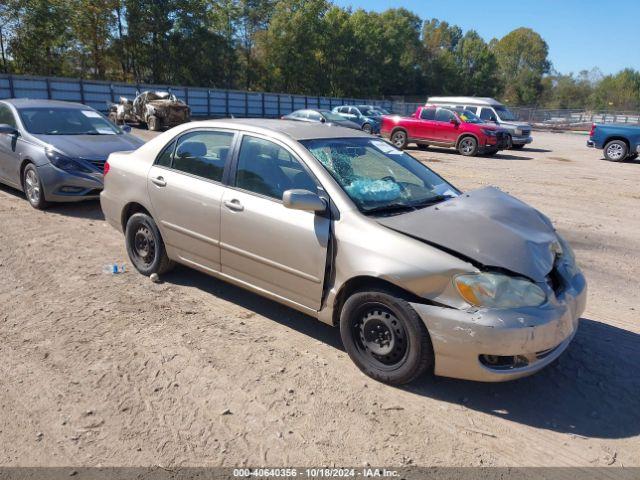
x: 156, y: 110
x: 349, y: 229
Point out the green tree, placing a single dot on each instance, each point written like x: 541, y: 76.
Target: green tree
x: 92, y: 26
x: 522, y: 57
x: 477, y: 66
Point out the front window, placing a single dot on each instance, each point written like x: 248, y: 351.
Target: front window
x: 506, y: 114
x: 444, y: 115
x: 6, y: 116
x: 202, y: 153
x: 467, y: 116
x: 378, y: 177
x: 66, y: 121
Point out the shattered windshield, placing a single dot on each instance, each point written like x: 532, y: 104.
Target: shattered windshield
x: 378, y: 177
x: 467, y: 116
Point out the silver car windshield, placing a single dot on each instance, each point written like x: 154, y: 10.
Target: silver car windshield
x: 66, y: 121
x: 505, y: 114
x: 378, y: 177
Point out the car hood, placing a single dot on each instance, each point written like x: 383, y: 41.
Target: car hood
x: 489, y: 227
x: 345, y: 123
x: 91, y: 147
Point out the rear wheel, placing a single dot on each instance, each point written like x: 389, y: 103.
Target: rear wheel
x: 153, y: 123
x: 615, y: 151
x: 468, y: 147
x: 399, y: 139
x: 385, y: 337
x: 33, y: 187
x: 145, y: 246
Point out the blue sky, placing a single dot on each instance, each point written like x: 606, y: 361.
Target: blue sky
x: 578, y: 32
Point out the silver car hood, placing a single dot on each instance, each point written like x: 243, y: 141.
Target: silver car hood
x: 91, y: 147
x: 487, y: 226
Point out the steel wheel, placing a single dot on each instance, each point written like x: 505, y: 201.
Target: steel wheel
x: 144, y: 245
x: 399, y: 139
x: 380, y: 336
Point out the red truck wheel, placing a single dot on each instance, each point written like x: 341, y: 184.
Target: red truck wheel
x: 399, y: 139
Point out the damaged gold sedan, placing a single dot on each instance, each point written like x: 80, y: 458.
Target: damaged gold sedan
x: 346, y: 228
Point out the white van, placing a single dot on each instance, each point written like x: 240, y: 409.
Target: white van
x: 490, y: 110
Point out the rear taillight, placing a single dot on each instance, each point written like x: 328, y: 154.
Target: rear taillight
x: 106, y: 168
x: 593, y: 130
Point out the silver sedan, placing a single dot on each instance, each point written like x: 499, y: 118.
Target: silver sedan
x: 55, y: 151
x: 345, y: 227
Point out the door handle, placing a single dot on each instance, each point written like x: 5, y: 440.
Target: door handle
x: 159, y: 181
x: 234, y: 205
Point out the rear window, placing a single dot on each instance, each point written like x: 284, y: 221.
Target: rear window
x: 428, y: 114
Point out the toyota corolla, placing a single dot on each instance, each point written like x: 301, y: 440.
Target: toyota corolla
x: 345, y: 227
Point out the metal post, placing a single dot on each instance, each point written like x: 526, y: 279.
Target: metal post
x: 208, y: 103
x: 279, y: 107
x: 48, y: 88
x: 306, y: 102
x: 246, y: 104
x: 186, y: 95
x: 81, y: 90
x: 12, y: 91
x: 111, y: 93
x: 292, y: 104
x: 264, y: 114
x: 226, y: 102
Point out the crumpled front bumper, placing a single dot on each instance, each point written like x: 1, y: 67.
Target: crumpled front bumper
x: 541, y: 334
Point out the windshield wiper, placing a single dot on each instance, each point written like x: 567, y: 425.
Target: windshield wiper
x: 390, y: 208
x: 431, y: 201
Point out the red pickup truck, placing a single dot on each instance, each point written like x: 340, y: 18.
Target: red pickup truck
x: 445, y: 127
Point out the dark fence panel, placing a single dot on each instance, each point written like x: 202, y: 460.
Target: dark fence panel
x: 204, y: 102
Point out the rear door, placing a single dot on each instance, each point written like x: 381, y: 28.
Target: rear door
x: 185, y: 187
x: 265, y: 244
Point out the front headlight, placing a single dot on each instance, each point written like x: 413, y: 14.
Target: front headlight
x: 65, y: 163
x: 489, y: 133
x: 568, y: 257
x: 495, y: 290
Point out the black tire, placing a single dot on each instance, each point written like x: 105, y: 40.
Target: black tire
x: 367, y: 128
x: 384, y: 336
x: 32, y: 186
x: 468, y: 146
x: 423, y: 146
x: 153, y: 123
x: 517, y: 147
x: 632, y: 157
x: 145, y: 246
x: 616, y: 151
x: 399, y: 139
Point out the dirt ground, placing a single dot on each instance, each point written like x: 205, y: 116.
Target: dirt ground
x: 118, y: 371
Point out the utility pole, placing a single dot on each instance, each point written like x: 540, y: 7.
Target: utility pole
x: 4, y: 59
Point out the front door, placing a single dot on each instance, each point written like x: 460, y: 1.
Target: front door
x: 185, y: 187
x: 9, y: 156
x: 424, y: 126
x: 265, y: 244
x: 445, y: 131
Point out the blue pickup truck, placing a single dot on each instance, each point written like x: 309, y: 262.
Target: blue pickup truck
x: 619, y: 142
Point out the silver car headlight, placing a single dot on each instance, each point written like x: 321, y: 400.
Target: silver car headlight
x: 495, y: 290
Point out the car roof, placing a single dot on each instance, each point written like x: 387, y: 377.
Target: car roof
x: 291, y: 128
x: 40, y: 103
x: 486, y: 101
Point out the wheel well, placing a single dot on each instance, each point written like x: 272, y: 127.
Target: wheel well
x: 24, y: 164
x: 369, y: 283
x: 395, y: 129
x: 622, y: 139
x: 465, y: 135
x: 131, y: 209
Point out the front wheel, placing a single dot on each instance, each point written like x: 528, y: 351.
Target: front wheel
x: 468, y: 147
x: 367, y: 128
x: 399, y: 139
x: 615, y: 151
x: 145, y: 246
x: 385, y: 337
x: 33, y: 187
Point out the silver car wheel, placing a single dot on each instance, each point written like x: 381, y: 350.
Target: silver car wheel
x: 467, y: 146
x: 399, y: 139
x: 367, y: 128
x: 615, y: 151
x: 32, y: 186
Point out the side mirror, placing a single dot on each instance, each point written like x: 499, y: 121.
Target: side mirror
x: 126, y: 128
x: 8, y: 129
x: 303, y: 200
x: 454, y: 121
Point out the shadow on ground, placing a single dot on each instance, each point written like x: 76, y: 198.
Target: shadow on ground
x: 502, y: 155
x: 592, y: 390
